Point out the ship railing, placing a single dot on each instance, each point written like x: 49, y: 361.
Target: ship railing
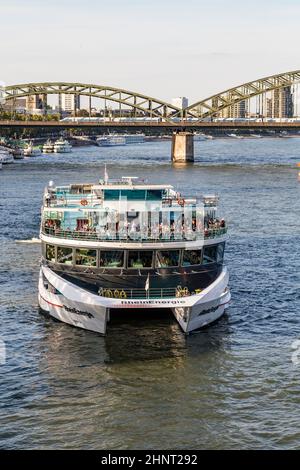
x: 129, y: 238
x: 151, y: 294
x: 170, y: 201
x: 85, y: 201
x: 215, y: 232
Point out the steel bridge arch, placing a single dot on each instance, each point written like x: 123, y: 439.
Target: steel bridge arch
x: 212, y: 105
x: 149, y: 105
x: 153, y: 107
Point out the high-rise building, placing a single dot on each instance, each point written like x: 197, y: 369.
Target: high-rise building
x: 296, y: 100
x: 282, y: 103
x: 1, y: 94
x: 70, y: 102
x: 240, y: 109
x: 35, y: 103
x: 180, y: 102
x: 237, y: 111
x: 268, y: 108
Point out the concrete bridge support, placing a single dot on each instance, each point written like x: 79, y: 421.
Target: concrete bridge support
x: 182, y: 147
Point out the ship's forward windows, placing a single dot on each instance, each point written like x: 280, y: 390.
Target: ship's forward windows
x: 132, y: 194
x: 166, y: 259
x: 64, y: 255
x: 86, y: 257
x: 111, y: 194
x: 153, y: 195
x: 140, y: 259
x: 191, y: 257
x: 210, y: 254
x: 220, y: 252
x: 112, y: 259
x: 50, y: 252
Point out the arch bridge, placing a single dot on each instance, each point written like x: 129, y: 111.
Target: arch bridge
x: 213, y: 105
x: 138, y: 102
x: 147, y: 106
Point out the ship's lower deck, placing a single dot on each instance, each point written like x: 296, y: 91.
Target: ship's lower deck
x: 132, y: 282
x: 75, y: 299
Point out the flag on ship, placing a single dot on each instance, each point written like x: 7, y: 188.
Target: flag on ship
x: 147, y: 283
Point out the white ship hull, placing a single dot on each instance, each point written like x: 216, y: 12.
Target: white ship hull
x: 5, y: 159
x: 32, y: 152
x: 78, y: 307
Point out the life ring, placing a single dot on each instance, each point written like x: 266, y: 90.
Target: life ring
x: 108, y: 293
x: 181, y: 201
x: 123, y: 294
x: 116, y: 294
x: 83, y: 202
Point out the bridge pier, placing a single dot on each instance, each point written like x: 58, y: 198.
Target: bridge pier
x: 182, y: 147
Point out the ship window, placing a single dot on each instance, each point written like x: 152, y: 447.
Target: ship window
x: 134, y: 194
x: 140, y: 259
x: 166, y: 259
x: 154, y: 195
x: 86, y: 257
x: 210, y: 254
x: 111, y: 194
x: 220, y: 252
x: 112, y: 259
x: 50, y: 253
x: 64, y: 255
x: 191, y: 257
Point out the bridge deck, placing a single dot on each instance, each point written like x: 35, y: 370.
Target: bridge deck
x: 153, y: 125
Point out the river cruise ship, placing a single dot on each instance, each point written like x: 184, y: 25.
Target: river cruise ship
x: 127, y: 244
x: 133, y: 138
x: 111, y: 140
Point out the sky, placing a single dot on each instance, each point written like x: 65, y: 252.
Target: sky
x: 162, y: 48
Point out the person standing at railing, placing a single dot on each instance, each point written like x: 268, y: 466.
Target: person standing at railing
x: 47, y: 199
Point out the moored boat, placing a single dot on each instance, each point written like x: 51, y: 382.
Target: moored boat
x: 200, y: 136
x: 62, y: 146
x: 130, y: 139
x: 5, y: 156
x: 31, y: 151
x: 235, y: 136
x: 17, y: 153
x: 48, y: 147
x: 111, y: 140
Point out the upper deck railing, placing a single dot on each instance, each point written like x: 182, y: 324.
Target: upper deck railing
x: 89, y: 199
x: 90, y: 202
x: 126, y: 237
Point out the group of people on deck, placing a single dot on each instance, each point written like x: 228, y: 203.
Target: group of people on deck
x: 134, y: 229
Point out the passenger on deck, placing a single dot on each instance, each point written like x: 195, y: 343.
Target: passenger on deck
x: 48, y: 199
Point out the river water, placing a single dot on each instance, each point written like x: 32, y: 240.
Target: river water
x: 145, y: 385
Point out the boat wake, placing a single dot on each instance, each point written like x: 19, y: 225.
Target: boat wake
x: 31, y: 241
